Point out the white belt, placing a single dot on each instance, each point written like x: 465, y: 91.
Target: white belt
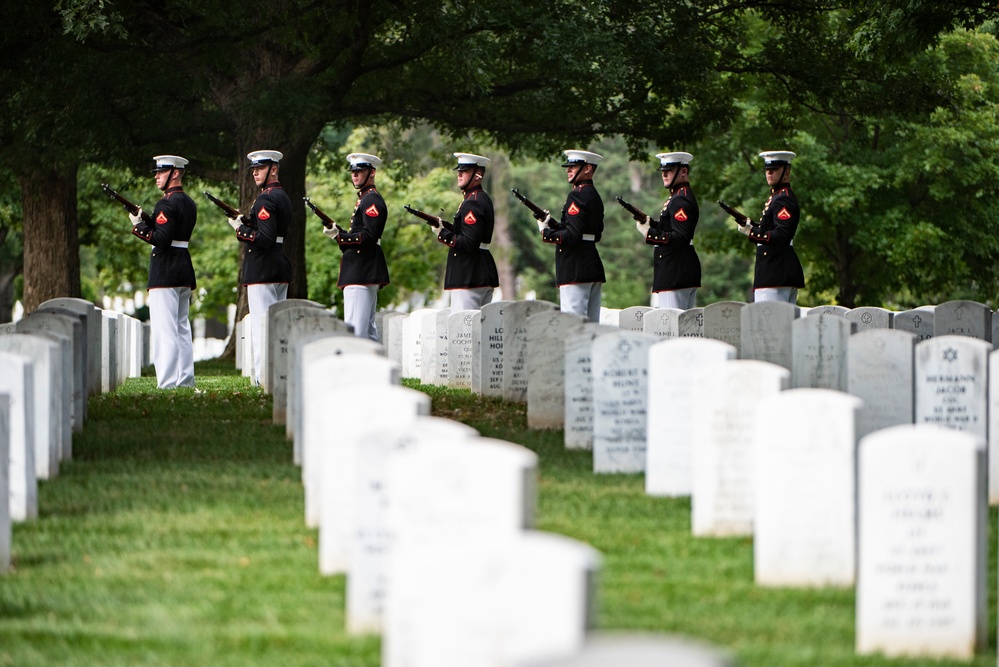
x: 483, y: 246
x: 279, y: 239
x: 379, y: 241
x: 589, y: 237
x: 179, y: 244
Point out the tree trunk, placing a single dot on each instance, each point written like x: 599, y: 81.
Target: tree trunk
x: 51, y: 239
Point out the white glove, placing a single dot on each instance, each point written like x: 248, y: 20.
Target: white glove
x: 236, y: 222
x: 331, y: 233
x: 137, y: 218
x: 435, y: 225
x: 643, y: 227
x: 744, y: 229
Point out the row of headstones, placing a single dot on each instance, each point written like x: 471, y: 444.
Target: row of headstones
x: 883, y: 359
x: 50, y: 362
x: 431, y: 523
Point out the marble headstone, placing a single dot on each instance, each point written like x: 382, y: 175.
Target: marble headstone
x: 723, y: 321
x: 491, y: 344
x: 918, y: 322
x: 692, y: 323
x: 880, y: 364
x: 547, y: 332
x: 632, y: 319
x: 869, y: 317
x: 579, y: 385
x: 766, y: 332
x: 819, y: 352
x: 515, y: 316
x: 17, y: 383
x: 459, y: 348
x: 963, y: 318
x: 951, y: 380
x: 662, y: 323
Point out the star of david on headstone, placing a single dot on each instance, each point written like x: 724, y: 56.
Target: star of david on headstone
x: 950, y: 354
x: 726, y: 312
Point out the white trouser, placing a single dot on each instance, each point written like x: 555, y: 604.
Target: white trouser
x: 259, y: 298
x: 170, y: 345
x: 470, y: 298
x: 359, y: 304
x: 581, y: 299
x: 683, y: 299
x: 788, y: 294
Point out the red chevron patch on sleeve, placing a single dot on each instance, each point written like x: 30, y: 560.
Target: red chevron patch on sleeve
x: 470, y: 218
x: 573, y: 209
x: 681, y: 215
x: 264, y: 214
x: 784, y: 214
x: 371, y: 211
x: 161, y: 218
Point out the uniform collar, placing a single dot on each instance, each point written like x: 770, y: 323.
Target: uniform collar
x: 778, y: 188
x: 271, y: 186
x: 365, y: 190
x: 679, y: 186
x: 588, y: 181
x: 472, y: 190
x: 176, y: 188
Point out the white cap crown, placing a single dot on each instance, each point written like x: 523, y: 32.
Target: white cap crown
x: 164, y: 162
x: 359, y: 161
x: 777, y: 158
x: 470, y: 160
x: 673, y: 159
x: 261, y: 158
x: 574, y: 157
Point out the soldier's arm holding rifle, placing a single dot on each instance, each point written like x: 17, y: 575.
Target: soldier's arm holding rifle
x: 435, y: 222
x: 135, y: 212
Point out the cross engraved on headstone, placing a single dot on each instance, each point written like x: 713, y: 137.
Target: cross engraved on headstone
x: 916, y: 320
x: 700, y: 320
x: 866, y: 318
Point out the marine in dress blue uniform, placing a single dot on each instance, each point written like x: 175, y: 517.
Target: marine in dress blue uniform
x: 171, y: 274
x: 676, y: 267
x: 579, y: 273
x: 266, y: 270
x: 363, y: 270
x: 471, y: 275
x: 778, y: 274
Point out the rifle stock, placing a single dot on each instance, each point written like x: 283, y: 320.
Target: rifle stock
x: 429, y: 219
x: 325, y: 219
x: 636, y: 213
x: 740, y: 217
x: 230, y: 212
x: 133, y: 209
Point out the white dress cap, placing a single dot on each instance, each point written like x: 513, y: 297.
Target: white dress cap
x: 261, y: 158
x: 669, y: 160
x: 164, y: 162
x: 777, y: 158
x: 359, y: 161
x: 470, y: 160
x: 573, y: 157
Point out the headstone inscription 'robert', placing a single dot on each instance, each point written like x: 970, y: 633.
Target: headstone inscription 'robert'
x: 491, y: 356
x: 723, y: 321
x: 674, y: 367
x: 271, y: 330
x: 44, y: 355
x: 17, y: 382
x: 579, y: 385
x: 918, y: 322
x: 951, y: 383
x: 546, y: 335
x: 5, y: 531
x: 515, y: 316
x: 662, y: 323
x: 92, y: 324
x: 286, y: 326
x: 640, y: 650
x: 880, y: 366
x: 692, y: 323
x: 620, y: 397
x: 322, y: 419
x: 486, y: 603
x: 869, y: 317
x: 632, y: 319
x: 337, y: 479
x: 819, y: 346
x: 803, y: 528
x: 459, y: 348
x: 923, y: 556
x: 963, y: 318
x: 766, y: 332
x: 310, y: 350
x: 371, y: 544
x: 729, y: 398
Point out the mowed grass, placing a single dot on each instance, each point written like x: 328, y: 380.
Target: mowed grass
x: 176, y: 536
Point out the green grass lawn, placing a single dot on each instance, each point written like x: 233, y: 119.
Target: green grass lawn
x: 176, y: 536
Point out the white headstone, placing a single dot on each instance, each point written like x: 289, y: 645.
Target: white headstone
x: 393, y: 324
x: 918, y: 322
x: 922, y: 558
x: 46, y: 382
x: 412, y: 343
x: 631, y: 319
x: 110, y: 342
x: 515, y: 316
x: 766, y: 332
x: 17, y: 383
x: 73, y: 326
x: 92, y: 323
x: 5, y: 531
x: 870, y: 317
x: 491, y: 355
x: 951, y: 381
x: 459, y: 348
x: 620, y: 397
x: 433, y: 348
x: 287, y: 325
x: 276, y: 325
x: 547, y: 332
x: 579, y: 385
x: 819, y: 352
x: 880, y: 365
x: 729, y: 398
x: 692, y: 323
x: 804, y: 528
x: 610, y: 317
x: 723, y: 321
x: 674, y: 367
x: 662, y: 323
x: 963, y: 318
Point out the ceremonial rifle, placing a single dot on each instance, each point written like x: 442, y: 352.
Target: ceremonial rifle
x: 431, y: 220
x: 740, y: 217
x: 538, y: 212
x: 325, y: 219
x: 229, y: 211
x: 636, y: 213
x: 133, y: 209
